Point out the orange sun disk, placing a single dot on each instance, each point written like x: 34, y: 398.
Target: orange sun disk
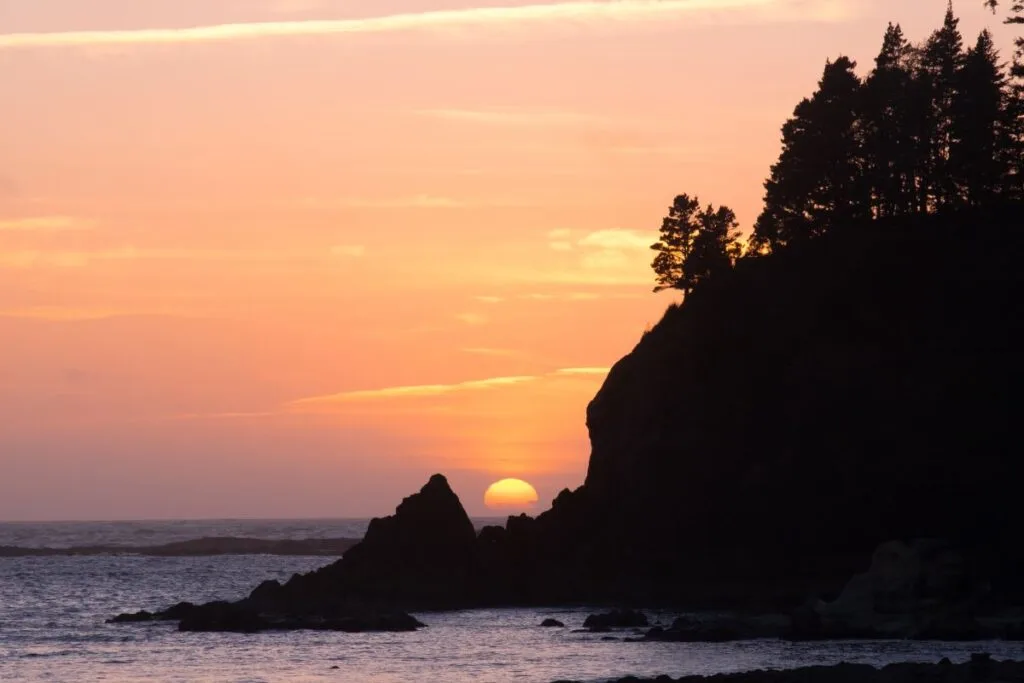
x: 510, y: 494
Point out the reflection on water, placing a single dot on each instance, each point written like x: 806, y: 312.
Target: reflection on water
x: 52, y: 612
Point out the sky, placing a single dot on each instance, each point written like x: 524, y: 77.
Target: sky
x: 288, y: 258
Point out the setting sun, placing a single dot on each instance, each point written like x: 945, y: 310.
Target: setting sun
x: 510, y: 494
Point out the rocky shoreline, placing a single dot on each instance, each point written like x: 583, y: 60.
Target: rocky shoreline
x: 980, y: 669
x: 428, y: 557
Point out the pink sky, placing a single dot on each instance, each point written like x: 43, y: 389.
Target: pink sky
x: 267, y: 258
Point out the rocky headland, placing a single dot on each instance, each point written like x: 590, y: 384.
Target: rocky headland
x: 843, y: 408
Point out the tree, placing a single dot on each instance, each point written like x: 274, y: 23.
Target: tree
x: 694, y: 245
x: 888, y: 132
x: 818, y: 180
x: 941, y: 61
x: 978, y: 164
x: 1016, y: 17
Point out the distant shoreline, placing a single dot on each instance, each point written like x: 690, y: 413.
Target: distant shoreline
x: 206, y: 546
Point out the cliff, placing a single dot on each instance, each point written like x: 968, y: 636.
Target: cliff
x: 791, y: 416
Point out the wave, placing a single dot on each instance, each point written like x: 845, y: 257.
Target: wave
x: 196, y: 547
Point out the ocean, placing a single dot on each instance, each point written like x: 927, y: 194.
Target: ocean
x: 53, y: 612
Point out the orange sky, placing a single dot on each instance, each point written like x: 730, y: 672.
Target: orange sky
x: 290, y: 257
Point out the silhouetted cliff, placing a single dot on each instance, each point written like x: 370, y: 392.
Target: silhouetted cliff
x: 816, y: 402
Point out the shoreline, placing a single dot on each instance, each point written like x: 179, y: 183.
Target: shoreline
x: 980, y: 669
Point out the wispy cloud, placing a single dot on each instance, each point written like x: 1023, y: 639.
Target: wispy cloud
x: 585, y: 372
x: 512, y: 117
x: 559, y: 240
x: 57, y: 258
x: 61, y: 313
x: 419, y: 201
x: 44, y: 224
x: 434, y: 390
x: 618, y: 239
x: 348, y: 250
x: 33, y: 258
x: 580, y: 11
x: 413, y: 391
x: 473, y: 319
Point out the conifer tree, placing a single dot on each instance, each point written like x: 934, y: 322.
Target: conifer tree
x: 977, y: 159
x: 888, y: 141
x: 818, y: 180
x: 694, y: 245
x: 941, y: 60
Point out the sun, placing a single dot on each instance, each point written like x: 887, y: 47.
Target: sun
x: 510, y: 495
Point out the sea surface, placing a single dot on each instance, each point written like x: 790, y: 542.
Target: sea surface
x: 53, y: 609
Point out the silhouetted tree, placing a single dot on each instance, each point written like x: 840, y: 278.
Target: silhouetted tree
x: 941, y: 60
x: 1016, y: 16
x: 889, y: 143
x: 978, y: 166
x: 693, y: 245
x: 817, y: 181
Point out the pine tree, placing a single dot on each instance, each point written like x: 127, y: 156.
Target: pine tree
x: 716, y: 245
x: 941, y: 60
x: 675, y: 241
x: 977, y: 162
x: 694, y: 245
x: 818, y: 181
x: 888, y: 142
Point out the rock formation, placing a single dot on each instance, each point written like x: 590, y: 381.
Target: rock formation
x: 758, y: 444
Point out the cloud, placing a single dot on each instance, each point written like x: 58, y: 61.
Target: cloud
x: 717, y: 11
x: 44, y: 224
x: 513, y: 117
x: 61, y: 313
x: 32, y: 258
x: 413, y: 391
x: 348, y: 250
x: 489, y: 299
x: 419, y: 201
x: 584, y: 372
x: 40, y: 258
x: 559, y: 239
x: 434, y: 390
x: 474, y: 319
x: 618, y: 239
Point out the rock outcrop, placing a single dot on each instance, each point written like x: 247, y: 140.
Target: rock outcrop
x: 757, y: 445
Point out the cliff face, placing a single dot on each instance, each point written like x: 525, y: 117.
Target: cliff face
x: 820, y: 401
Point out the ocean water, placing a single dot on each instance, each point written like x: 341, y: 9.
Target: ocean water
x: 52, y: 613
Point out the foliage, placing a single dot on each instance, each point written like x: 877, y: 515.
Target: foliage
x: 694, y: 244
x: 932, y: 127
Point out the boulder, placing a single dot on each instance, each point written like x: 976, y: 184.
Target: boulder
x: 552, y: 623
x: 605, y: 621
x: 687, y: 630
x: 920, y: 589
x: 132, y: 617
x: 223, y: 616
